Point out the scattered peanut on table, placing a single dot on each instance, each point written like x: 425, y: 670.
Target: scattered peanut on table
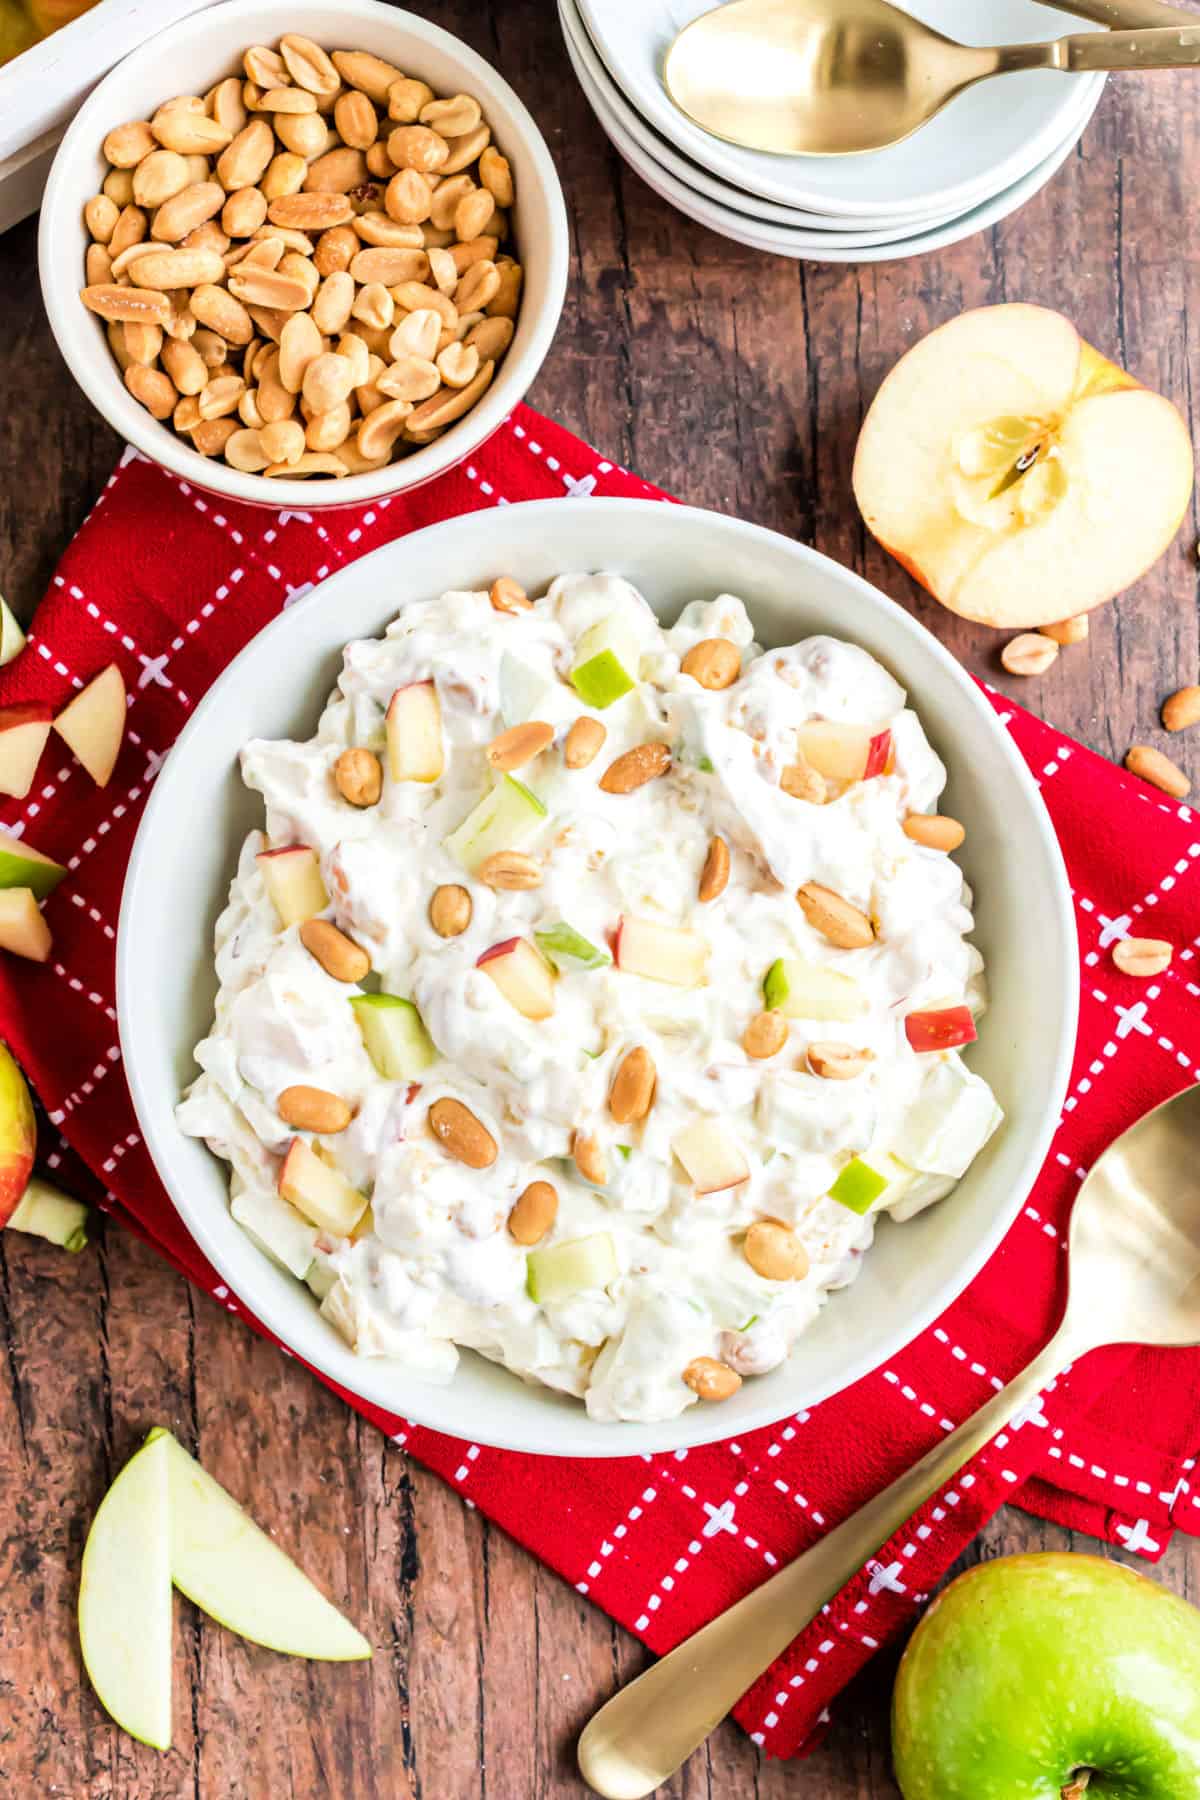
x: 302, y: 270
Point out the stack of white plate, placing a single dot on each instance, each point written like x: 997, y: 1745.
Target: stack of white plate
x: 976, y: 162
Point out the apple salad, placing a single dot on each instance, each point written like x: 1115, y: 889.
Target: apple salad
x: 591, y: 991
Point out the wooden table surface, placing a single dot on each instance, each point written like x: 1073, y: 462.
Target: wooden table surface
x: 738, y: 381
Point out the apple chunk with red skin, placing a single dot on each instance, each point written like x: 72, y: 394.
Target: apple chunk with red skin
x: 523, y: 976
x: 711, y: 1156
x: 292, y: 876
x: 1016, y: 473
x: 93, y: 724
x: 18, y: 1134
x: 24, y: 729
x: 414, y: 733
x: 844, y: 752
x: 661, y: 952
x: 943, y: 1029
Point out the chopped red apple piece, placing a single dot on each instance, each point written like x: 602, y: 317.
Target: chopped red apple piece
x: 24, y: 729
x: 23, y: 866
x: 944, y: 1029
x: 292, y: 876
x: 523, y: 976
x: 844, y: 752
x: 23, y: 930
x: 414, y: 733
x: 711, y: 1156
x: 93, y: 723
x: 661, y: 952
x: 1004, y: 460
x: 322, y: 1194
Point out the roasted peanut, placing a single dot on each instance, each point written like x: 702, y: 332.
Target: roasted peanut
x: 765, y: 1035
x: 450, y: 910
x: 837, y: 1062
x: 1158, y: 769
x: 632, y: 1092
x: 934, y: 830
x: 633, y: 769
x: 1182, y: 709
x: 583, y: 742
x: 1143, y: 957
x: 509, y: 869
x: 714, y: 876
x: 461, y: 1134
x: 533, y: 1213
x: 775, y: 1252
x: 589, y: 1158
x: 358, y: 776
x: 714, y: 663
x: 836, y: 919
x: 711, y: 1380
x: 1031, y: 653
x: 513, y: 748
x: 312, y: 1109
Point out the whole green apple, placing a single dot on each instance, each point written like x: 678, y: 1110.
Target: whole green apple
x: 1045, y: 1677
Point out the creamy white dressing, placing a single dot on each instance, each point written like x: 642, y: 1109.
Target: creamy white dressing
x: 434, y: 1266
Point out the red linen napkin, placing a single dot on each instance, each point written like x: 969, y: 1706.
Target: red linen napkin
x: 171, y: 583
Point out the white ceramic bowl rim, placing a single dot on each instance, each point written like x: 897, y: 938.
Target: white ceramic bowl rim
x: 359, y: 600
x: 543, y: 233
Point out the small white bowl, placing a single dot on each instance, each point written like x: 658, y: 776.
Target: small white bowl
x: 189, y: 57
x: 179, y: 877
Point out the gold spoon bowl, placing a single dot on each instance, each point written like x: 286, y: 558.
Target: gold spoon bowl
x: 1134, y: 1279
x: 840, y: 77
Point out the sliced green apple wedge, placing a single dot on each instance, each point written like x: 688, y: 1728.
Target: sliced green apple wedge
x: 859, y: 1185
x: 23, y: 866
x: 394, y: 1034
x: 565, y: 1269
x: 125, y: 1598
x: 568, y: 949
x: 606, y: 663
x: 507, y: 818
x: 234, y: 1572
x: 43, y: 1212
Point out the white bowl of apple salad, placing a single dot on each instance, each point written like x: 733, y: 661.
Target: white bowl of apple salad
x: 596, y: 982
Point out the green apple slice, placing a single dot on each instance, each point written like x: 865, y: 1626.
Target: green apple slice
x: 23, y: 866
x: 12, y: 638
x: 505, y: 819
x: 394, y: 1034
x: 803, y: 990
x: 606, y: 663
x: 125, y: 1598
x: 858, y: 1186
x: 235, y: 1573
x: 521, y: 690
x: 43, y: 1212
x: 565, y: 1269
x: 568, y: 949
x: 277, y: 1228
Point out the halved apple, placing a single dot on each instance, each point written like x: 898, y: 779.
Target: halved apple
x: 24, y: 729
x: 322, y: 1194
x: 93, y: 723
x: 711, y: 1155
x: 523, y: 976
x: 667, y: 953
x: 18, y: 1134
x: 292, y: 876
x: 23, y: 930
x: 1016, y: 473
x: 414, y: 733
x: 23, y: 866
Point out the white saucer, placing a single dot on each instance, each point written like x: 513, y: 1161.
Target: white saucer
x: 799, y: 231
x: 986, y: 140
x: 814, y: 246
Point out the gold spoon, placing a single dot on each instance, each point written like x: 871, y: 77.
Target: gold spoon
x: 1135, y: 1279
x: 836, y: 77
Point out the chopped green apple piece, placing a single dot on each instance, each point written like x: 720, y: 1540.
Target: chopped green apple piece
x: 569, y: 949
x: 237, y: 1575
x: 277, y: 1228
x: 858, y: 1186
x: 521, y: 690
x: 322, y: 1194
x: 507, y: 818
x: 43, y: 1212
x: 565, y: 1269
x: 292, y: 877
x: 12, y: 638
x: 606, y: 663
x: 803, y: 990
x: 125, y: 1598
x: 394, y: 1034
x: 23, y: 866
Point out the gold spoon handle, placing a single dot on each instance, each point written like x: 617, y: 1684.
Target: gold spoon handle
x: 641, y: 1736
x: 1127, y: 15
x: 1173, y: 47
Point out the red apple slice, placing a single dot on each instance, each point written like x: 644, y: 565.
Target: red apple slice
x: 944, y: 1029
x: 24, y: 729
x: 661, y: 952
x: 523, y: 976
x: 322, y: 1194
x: 711, y: 1155
x: 18, y: 1134
x: 414, y: 733
x: 1004, y: 461
x: 292, y: 876
x: 93, y: 724
x: 23, y: 930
